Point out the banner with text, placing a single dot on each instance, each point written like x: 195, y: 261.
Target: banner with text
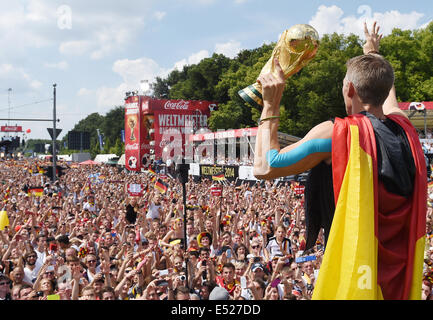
x: 230, y: 172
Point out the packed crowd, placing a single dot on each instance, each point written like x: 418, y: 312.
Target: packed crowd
x: 84, y: 237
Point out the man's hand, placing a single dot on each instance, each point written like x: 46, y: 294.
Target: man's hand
x: 372, y: 39
x: 272, y: 88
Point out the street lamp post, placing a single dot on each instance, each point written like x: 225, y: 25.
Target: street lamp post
x: 54, y: 134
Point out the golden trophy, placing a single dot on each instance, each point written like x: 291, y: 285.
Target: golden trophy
x: 296, y: 47
x: 132, y: 122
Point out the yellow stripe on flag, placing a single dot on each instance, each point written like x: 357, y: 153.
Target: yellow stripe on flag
x: 4, y: 220
x: 416, y: 289
x: 349, y: 267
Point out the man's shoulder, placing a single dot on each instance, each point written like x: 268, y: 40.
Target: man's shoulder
x: 323, y: 130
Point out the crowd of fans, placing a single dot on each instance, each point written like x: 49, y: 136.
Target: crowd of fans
x: 84, y: 237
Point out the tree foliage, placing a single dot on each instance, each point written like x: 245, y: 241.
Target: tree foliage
x: 110, y: 127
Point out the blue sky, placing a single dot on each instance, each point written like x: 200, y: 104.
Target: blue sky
x: 97, y: 50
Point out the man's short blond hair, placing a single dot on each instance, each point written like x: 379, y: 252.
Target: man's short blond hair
x: 372, y: 76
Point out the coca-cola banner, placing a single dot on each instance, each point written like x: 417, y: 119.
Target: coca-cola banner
x: 11, y: 129
x: 152, y: 124
x: 176, y: 119
x: 132, y: 133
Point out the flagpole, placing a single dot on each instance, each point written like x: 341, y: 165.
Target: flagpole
x: 221, y: 203
x: 54, y: 177
x: 182, y: 175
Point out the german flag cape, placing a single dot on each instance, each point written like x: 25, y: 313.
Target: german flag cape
x: 353, y: 267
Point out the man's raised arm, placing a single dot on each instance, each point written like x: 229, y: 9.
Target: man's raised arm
x: 269, y: 161
x: 371, y: 46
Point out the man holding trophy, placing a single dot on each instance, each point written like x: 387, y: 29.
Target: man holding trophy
x: 375, y: 223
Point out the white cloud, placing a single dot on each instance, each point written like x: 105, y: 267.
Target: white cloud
x: 107, y: 98
x: 62, y: 65
x: 18, y: 79
x: 240, y: 1
x: 332, y: 19
x: 95, y: 30
x: 29, y: 23
x: 84, y: 92
x: 229, y: 49
x: 131, y: 72
x: 159, y: 15
x: 192, y: 59
x: 75, y: 47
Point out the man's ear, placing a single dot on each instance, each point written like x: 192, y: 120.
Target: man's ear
x: 351, y: 90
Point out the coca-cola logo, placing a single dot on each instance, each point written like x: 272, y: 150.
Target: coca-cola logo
x: 179, y: 105
x: 173, y: 144
x: 145, y: 146
x: 131, y: 146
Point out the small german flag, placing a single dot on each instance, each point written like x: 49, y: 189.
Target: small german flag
x: 151, y: 170
x: 219, y: 177
x: 161, y: 186
x: 36, y: 191
x: 6, y: 197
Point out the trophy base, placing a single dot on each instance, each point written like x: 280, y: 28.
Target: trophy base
x: 251, y: 95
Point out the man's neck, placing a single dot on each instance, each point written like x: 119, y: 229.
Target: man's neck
x: 375, y: 111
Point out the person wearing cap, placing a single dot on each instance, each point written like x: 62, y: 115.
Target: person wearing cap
x: 5, y: 287
x: 258, y: 271
x: 204, y: 239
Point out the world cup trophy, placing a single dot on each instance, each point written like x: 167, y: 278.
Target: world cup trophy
x: 295, y: 48
x: 132, y: 122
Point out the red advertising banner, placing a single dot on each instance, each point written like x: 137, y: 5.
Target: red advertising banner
x: 135, y: 189
x: 11, y: 129
x: 176, y: 118
x: 152, y: 124
x: 216, y: 190
x: 132, y: 133
x: 299, y: 189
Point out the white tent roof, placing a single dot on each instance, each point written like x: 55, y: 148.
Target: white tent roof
x: 103, y: 158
